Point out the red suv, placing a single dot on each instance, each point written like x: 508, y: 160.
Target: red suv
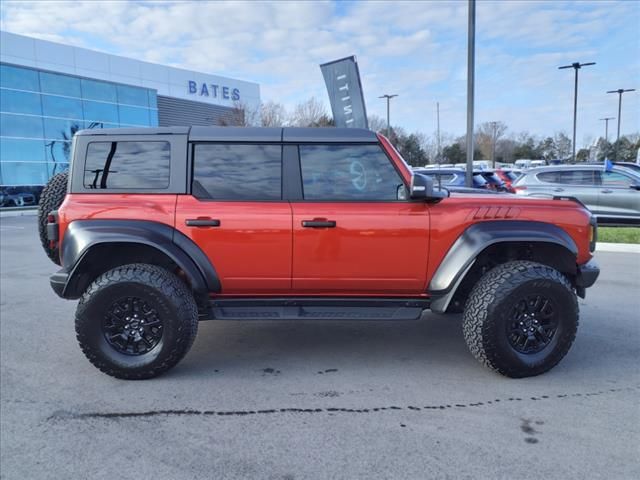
x: 157, y: 229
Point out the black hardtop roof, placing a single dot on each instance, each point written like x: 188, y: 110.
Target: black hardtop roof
x: 249, y: 134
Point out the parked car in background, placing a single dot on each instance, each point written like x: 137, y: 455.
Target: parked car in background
x: 495, y: 182
x: 508, y: 175
x: 453, y: 177
x: 12, y: 197
x: 612, y: 196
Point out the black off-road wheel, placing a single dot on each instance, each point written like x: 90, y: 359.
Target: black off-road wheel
x: 521, y: 318
x: 51, y: 198
x: 136, y: 321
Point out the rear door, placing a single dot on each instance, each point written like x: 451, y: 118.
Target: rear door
x: 616, y: 197
x: 237, y: 216
x: 354, y: 232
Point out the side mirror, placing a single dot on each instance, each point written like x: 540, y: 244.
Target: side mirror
x: 422, y: 188
x: 635, y: 187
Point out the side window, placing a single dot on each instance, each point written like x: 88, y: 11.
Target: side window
x: 128, y: 165
x: 237, y: 172
x: 549, y: 177
x: 348, y: 172
x: 577, y: 177
x: 615, y: 179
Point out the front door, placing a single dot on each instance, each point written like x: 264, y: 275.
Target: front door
x: 355, y: 233
x: 616, y: 197
x: 236, y: 215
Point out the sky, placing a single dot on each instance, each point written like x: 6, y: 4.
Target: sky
x: 416, y: 49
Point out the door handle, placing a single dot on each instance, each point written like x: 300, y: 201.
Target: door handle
x: 606, y: 190
x: 558, y: 189
x: 202, y: 222
x: 318, y: 223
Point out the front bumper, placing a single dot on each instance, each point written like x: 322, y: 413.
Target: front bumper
x: 586, y: 276
x: 58, y: 282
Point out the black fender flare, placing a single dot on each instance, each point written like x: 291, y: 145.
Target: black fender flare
x: 477, y: 237
x: 83, y: 235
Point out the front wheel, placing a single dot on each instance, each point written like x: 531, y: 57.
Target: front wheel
x: 136, y: 321
x: 521, y: 318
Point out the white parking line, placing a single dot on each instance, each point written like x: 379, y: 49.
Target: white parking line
x: 10, y: 227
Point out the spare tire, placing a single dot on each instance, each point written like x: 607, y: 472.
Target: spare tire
x: 51, y: 198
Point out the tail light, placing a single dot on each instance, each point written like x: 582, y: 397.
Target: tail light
x: 519, y: 188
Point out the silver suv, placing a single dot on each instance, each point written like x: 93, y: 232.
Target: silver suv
x: 612, y: 196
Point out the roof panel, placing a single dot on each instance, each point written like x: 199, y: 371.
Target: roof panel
x: 235, y: 134
x: 136, y: 131
x: 329, y: 135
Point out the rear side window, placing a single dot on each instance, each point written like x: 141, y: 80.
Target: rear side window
x: 237, y: 172
x: 348, y: 172
x: 615, y: 179
x: 127, y: 165
x: 568, y: 177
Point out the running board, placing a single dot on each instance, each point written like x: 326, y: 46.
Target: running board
x: 316, y: 309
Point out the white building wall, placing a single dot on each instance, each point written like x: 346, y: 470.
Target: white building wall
x: 168, y: 81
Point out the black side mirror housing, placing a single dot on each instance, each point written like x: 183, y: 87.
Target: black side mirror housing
x: 421, y: 188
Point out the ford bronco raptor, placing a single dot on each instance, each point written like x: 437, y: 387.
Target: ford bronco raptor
x: 156, y: 229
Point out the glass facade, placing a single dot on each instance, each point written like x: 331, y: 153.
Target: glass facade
x: 40, y: 112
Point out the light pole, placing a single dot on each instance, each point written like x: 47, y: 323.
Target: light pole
x: 471, y: 58
x: 576, y: 66
x: 388, y: 97
x: 438, y: 135
x: 606, y: 127
x: 620, y: 91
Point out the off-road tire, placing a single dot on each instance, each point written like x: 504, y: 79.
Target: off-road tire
x: 51, y: 198
x: 160, y: 288
x: 489, y: 306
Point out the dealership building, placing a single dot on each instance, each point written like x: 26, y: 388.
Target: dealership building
x: 50, y: 90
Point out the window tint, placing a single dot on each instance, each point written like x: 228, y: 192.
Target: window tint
x: 568, y: 177
x: 348, y: 172
x: 237, y: 172
x: 615, y: 179
x: 139, y: 165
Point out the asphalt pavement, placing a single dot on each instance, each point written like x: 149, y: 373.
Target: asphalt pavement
x: 297, y: 400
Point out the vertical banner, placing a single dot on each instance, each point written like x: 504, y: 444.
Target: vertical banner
x: 342, y: 78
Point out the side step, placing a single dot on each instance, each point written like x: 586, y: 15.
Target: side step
x: 316, y: 309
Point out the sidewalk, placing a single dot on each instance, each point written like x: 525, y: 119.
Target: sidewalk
x: 618, y: 247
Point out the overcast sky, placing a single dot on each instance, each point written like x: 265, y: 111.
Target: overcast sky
x: 415, y: 49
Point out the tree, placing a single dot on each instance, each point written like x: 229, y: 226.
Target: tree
x: 310, y: 113
x: 563, y: 145
x: 526, y: 148
x: 487, y: 136
x: 377, y: 124
x: 273, y: 114
x: 454, y: 154
x: 410, y: 149
x: 582, y: 155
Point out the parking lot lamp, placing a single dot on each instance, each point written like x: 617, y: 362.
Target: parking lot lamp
x: 606, y: 127
x: 388, y: 97
x: 620, y: 91
x: 576, y: 66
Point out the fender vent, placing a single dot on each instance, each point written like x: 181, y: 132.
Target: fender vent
x: 493, y: 213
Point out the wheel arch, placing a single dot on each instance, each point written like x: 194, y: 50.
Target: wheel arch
x: 485, y: 245
x: 92, y: 247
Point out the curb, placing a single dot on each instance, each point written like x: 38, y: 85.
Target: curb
x: 618, y: 247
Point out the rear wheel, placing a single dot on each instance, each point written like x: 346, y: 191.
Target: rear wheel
x: 51, y: 198
x: 136, y: 321
x: 521, y: 318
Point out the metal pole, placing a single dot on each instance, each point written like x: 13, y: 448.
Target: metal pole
x: 438, y: 137
x: 576, y: 66
x: 388, y: 117
x: 606, y: 127
x: 575, y: 117
x: 620, y: 91
x: 619, y: 115
x: 388, y: 97
x: 471, y: 46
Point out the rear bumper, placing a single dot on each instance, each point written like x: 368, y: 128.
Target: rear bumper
x: 587, y: 274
